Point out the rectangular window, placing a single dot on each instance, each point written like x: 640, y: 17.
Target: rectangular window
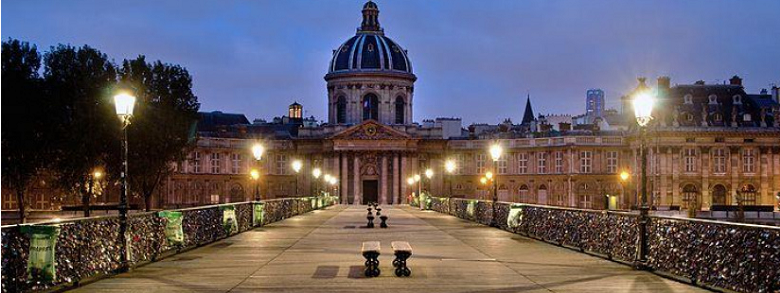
x: 460, y: 162
x: 586, y: 162
x: 215, y: 163
x: 559, y: 162
x: 481, y: 163
x: 541, y: 166
x: 196, y: 162
x: 522, y: 163
x: 612, y: 161
x: 281, y: 164
x: 719, y: 161
x: 689, y: 157
x: 235, y: 163
x: 501, y: 164
x: 748, y: 160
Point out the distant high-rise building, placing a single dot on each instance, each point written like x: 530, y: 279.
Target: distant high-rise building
x: 594, y: 103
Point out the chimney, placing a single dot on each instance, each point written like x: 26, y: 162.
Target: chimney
x: 735, y: 80
x: 664, y: 83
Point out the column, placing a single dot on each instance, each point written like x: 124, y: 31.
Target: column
x: 383, y: 181
x: 344, y: 179
x: 356, y: 184
x: 396, y: 173
x: 404, y: 174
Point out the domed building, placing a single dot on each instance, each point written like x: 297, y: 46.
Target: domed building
x: 370, y: 77
x: 713, y: 141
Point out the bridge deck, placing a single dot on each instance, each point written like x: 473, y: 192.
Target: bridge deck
x: 320, y: 251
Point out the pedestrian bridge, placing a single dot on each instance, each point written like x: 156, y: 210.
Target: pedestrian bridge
x: 307, y: 244
x: 320, y: 251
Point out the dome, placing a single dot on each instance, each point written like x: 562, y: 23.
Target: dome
x: 370, y: 50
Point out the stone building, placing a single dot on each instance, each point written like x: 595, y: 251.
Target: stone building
x: 372, y: 146
x: 710, y: 145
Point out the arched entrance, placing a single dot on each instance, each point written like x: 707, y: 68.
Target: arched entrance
x: 542, y: 194
x: 719, y: 195
x: 690, y: 197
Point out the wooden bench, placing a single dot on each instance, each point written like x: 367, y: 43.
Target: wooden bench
x: 402, y: 251
x: 371, y: 253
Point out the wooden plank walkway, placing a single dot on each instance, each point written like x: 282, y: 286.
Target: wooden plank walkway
x: 320, y: 252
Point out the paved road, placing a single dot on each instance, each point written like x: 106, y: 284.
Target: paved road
x: 320, y: 252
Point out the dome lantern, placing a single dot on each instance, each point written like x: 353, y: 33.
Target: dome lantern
x: 370, y: 18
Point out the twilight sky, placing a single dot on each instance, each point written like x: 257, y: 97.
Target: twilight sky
x: 473, y: 59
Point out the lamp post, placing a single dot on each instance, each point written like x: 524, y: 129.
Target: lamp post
x: 255, y: 175
x: 495, y: 154
x: 257, y: 151
x: 326, y: 178
x: 429, y: 175
x: 643, y: 108
x: 91, y: 178
x: 124, y: 103
x: 623, y: 180
x: 316, y: 173
x: 418, y: 180
x: 296, y: 166
x: 450, y: 167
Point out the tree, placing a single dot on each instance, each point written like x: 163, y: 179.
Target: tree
x: 24, y: 138
x: 165, y: 113
x: 78, y: 84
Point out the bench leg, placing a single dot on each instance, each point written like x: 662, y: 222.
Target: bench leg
x: 372, y: 264
x: 401, y: 270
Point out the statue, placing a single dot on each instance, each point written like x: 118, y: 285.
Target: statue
x: 676, y: 117
x: 704, y: 115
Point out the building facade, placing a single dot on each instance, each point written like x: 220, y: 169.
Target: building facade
x: 710, y: 145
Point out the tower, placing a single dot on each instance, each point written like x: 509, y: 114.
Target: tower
x: 370, y: 77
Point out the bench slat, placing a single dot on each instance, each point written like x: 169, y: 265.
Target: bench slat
x: 401, y: 246
x: 371, y: 246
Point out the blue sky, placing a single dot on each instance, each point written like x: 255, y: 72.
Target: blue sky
x: 473, y: 59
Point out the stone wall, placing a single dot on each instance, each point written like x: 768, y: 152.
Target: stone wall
x: 89, y: 248
x: 738, y: 257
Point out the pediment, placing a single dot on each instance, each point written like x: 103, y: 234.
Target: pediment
x: 370, y: 130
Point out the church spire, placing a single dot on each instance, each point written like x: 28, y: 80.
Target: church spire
x: 370, y: 18
x: 528, y: 116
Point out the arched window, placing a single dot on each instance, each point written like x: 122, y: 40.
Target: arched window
x: 713, y: 99
x: 690, y: 196
x: 688, y: 99
x: 541, y: 194
x: 523, y: 193
x: 737, y: 99
x: 370, y: 107
x: 400, y: 107
x: 747, y: 194
x: 341, y: 110
x: 719, y: 195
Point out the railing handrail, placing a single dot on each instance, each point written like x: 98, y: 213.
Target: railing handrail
x: 101, y: 217
x: 755, y: 226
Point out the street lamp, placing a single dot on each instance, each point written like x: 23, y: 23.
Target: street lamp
x: 297, y: 165
x: 410, y: 181
x: 623, y: 180
x: 257, y: 151
x: 124, y: 103
x: 91, y: 178
x: 429, y: 175
x: 643, y: 108
x: 316, y: 173
x: 418, y: 180
x: 450, y: 167
x: 495, y: 154
x: 255, y: 175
